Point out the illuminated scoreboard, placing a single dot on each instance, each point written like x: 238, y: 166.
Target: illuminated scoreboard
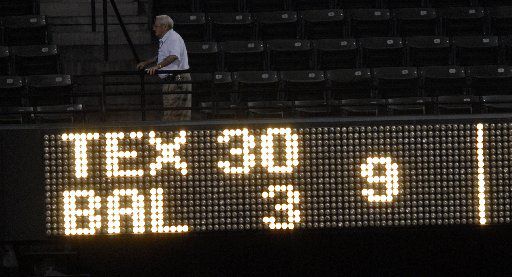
x: 277, y: 177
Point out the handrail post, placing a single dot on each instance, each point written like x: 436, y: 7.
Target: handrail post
x: 105, y: 31
x: 93, y: 15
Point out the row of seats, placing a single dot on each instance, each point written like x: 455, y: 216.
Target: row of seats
x: 387, y: 82
x: 29, y: 60
x: 42, y: 114
x: 162, y: 6
x: 23, y: 30
x: 332, y: 23
x: 18, y: 7
x: 348, y: 53
x: 358, y: 107
x: 36, y: 90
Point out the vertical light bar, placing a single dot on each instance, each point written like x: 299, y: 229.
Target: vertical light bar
x: 481, y: 172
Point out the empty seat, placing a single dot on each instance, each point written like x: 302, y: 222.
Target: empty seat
x: 337, y: 53
x: 232, y: 26
x: 5, y: 63
x: 191, y: 26
x: 393, y: 82
x: 312, y: 5
x: 363, y: 107
x: 494, y: 3
x: 303, y: 85
x: 358, y: 4
x: 12, y: 91
x: 215, y: 6
x: 476, y: 50
x: 501, y: 21
x: 350, y: 83
x: 277, y: 25
x: 417, y: 22
x: 49, y: 90
x: 269, y: 109
x: 265, y: 5
x: 314, y: 108
x: 25, y: 30
x: 222, y: 110
x: 428, y: 50
x: 497, y: 103
x: 203, y: 56
x: 17, y: 7
x: 491, y: 80
x: 458, y: 104
x: 36, y: 59
x: 165, y: 7
x: 321, y: 24
x: 244, y: 55
x: 382, y: 51
x: 410, y: 106
x: 396, y: 4
x: 290, y: 54
x: 257, y: 85
x: 16, y: 115
x: 211, y: 87
x: 449, y: 3
x: 371, y: 23
x: 444, y: 80
x: 59, y: 114
x: 465, y: 21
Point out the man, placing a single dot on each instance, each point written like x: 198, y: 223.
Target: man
x: 172, y: 55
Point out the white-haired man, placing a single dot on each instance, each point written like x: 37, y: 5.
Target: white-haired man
x: 172, y: 55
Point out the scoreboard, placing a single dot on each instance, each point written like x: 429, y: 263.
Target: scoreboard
x: 277, y: 176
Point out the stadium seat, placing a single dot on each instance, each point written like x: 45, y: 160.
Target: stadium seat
x: 303, y: 85
x: 397, y: 4
x: 265, y: 5
x: 277, y: 25
x: 203, y: 56
x: 363, y: 107
x: 491, y: 80
x: 350, y: 83
x: 370, y: 23
x: 497, y: 103
x: 243, y: 55
x: 165, y: 7
x: 382, y: 51
x: 232, y: 26
x: 410, y: 106
x: 17, y: 7
x: 222, y: 110
x: 59, y: 114
x: 190, y: 26
x: 449, y: 3
x: 417, y: 22
x: 216, y: 6
x: 5, y: 61
x: 49, y: 90
x: 314, y: 108
x: 458, y: 104
x: 312, y: 5
x: 269, y: 109
x: 394, y: 82
x: 337, y: 53
x: 16, y: 115
x: 444, y: 80
x: 290, y: 54
x: 501, y: 20
x: 211, y: 87
x: 257, y: 85
x: 12, y: 91
x: 322, y: 24
x: 357, y: 4
x: 36, y: 59
x: 476, y: 50
x: 428, y: 50
x: 25, y: 30
x: 465, y: 21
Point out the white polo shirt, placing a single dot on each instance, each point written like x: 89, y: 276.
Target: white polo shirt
x: 172, y: 44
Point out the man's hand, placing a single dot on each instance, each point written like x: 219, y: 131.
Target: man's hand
x: 152, y: 70
x: 141, y: 65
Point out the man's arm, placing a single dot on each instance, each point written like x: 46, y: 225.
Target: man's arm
x: 167, y: 61
x: 143, y: 64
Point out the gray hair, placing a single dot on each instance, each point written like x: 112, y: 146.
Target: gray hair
x: 165, y: 20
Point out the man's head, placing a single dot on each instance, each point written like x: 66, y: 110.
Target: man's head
x: 163, y: 23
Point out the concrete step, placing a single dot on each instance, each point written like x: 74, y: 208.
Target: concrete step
x: 87, y: 28
x: 86, y: 20
x: 96, y: 38
x: 67, y: 9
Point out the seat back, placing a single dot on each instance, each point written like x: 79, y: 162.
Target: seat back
x: 243, y: 55
x: 337, y: 53
x: 501, y: 20
x: 25, y: 30
x: 429, y: 50
x: 382, y: 51
x: 350, y: 83
x: 257, y: 85
x: 417, y: 22
x: 393, y: 82
x: 371, y: 23
x: 277, y: 25
x: 232, y: 26
x: 49, y: 90
x: 303, y: 85
x: 444, y: 80
x: 476, y: 50
x: 36, y: 59
x: 465, y: 21
x: 323, y: 24
x: 491, y: 80
x: 12, y: 91
x: 290, y: 54
x: 203, y: 56
x: 191, y: 26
